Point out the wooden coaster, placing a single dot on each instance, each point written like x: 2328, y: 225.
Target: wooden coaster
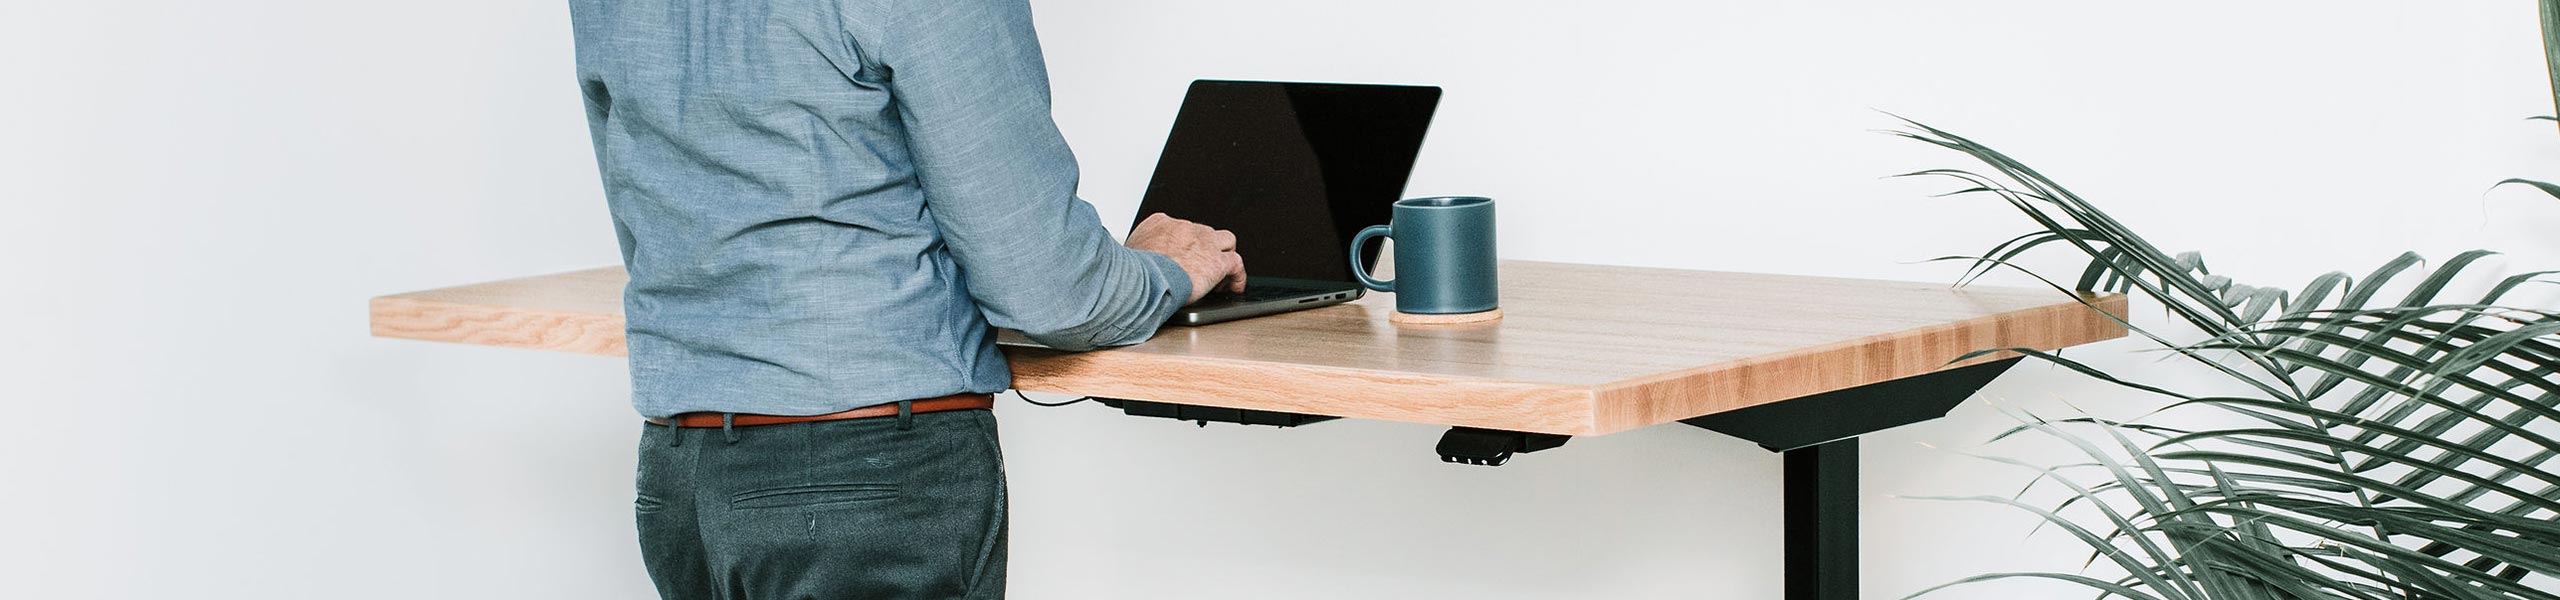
x: 1407, y: 318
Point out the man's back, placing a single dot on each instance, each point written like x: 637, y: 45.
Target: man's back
x: 822, y: 204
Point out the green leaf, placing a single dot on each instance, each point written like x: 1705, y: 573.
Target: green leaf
x: 2402, y: 445
x: 2547, y: 188
x: 2551, y: 46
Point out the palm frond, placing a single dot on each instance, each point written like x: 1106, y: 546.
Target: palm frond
x: 2403, y: 446
x: 2551, y: 46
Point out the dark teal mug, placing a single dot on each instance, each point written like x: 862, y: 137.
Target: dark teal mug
x: 1444, y: 256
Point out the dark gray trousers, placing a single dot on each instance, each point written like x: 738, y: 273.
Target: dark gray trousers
x: 832, y: 510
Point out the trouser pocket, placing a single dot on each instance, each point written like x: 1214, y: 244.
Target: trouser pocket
x: 812, y: 496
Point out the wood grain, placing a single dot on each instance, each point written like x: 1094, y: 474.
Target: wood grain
x: 1581, y: 350
x: 578, y: 311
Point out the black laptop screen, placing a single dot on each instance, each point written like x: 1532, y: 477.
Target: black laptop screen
x: 1294, y: 169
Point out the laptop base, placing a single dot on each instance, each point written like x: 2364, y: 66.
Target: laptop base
x: 1221, y: 312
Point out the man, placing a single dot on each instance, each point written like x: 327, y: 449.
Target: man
x: 824, y: 206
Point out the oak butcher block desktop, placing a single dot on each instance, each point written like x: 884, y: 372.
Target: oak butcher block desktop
x: 1799, y: 365
x: 1582, y: 350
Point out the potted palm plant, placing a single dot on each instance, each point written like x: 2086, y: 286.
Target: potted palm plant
x: 2396, y: 439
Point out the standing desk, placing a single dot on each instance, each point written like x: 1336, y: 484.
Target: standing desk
x: 1800, y: 365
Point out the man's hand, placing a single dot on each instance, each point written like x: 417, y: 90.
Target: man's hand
x: 1207, y: 254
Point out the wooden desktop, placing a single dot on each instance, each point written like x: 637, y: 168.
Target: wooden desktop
x: 1798, y: 364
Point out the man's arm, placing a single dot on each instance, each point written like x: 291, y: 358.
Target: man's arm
x: 1000, y: 182
x: 599, y: 109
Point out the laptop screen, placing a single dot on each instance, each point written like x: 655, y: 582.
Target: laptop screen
x: 1294, y: 169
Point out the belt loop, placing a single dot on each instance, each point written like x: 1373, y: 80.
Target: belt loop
x: 729, y: 427
x: 906, y: 414
x: 675, y: 430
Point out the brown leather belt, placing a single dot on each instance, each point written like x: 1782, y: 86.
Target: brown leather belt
x: 951, y: 402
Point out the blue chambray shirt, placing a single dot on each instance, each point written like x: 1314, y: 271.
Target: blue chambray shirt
x: 825, y: 204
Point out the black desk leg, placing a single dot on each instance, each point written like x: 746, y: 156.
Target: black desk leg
x: 1819, y: 434
x: 1822, y: 521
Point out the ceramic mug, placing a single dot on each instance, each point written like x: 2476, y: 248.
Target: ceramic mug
x: 1444, y: 256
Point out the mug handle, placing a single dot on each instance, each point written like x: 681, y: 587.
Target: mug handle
x: 1360, y: 268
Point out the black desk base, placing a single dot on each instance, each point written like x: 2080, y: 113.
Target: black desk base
x: 1817, y: 434
x: 1822, y: 521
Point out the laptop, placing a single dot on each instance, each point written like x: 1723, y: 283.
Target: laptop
x: 1295, y: 170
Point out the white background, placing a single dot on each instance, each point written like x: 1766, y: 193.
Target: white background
x: 196, y: 198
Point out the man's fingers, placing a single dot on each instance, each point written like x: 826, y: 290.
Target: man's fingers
x: 1223, y: 239
x: 1235, y: 272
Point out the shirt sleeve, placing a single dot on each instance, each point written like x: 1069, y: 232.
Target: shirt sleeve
x: 599, y: 108
x: 973, y: 92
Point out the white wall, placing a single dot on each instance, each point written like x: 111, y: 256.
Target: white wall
x: 198, y: 197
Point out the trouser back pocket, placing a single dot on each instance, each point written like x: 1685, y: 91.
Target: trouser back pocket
x: 813, y: 495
